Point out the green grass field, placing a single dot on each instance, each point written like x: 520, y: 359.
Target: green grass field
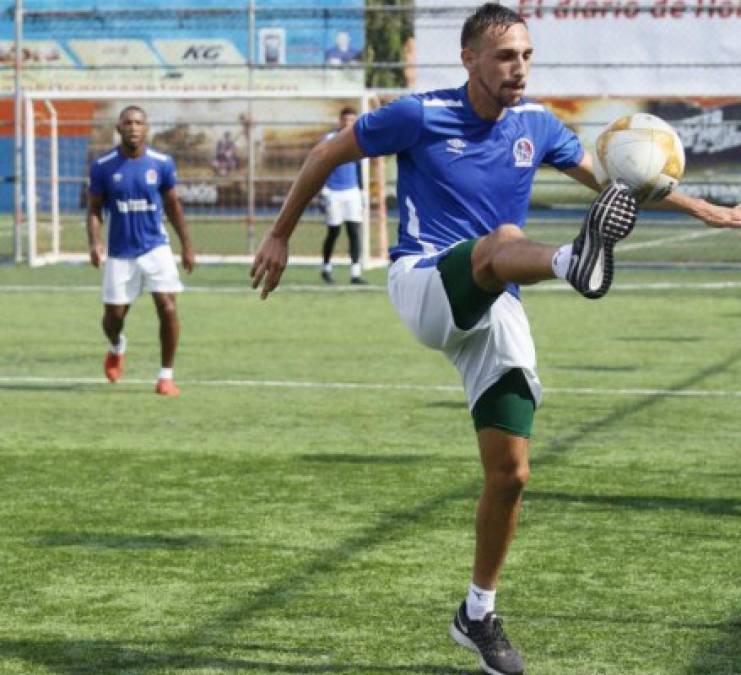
x: 306, y: 506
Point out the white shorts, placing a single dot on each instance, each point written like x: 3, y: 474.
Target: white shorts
x: 500, y: 341
x: 155, y: 271
x: 344, y: 205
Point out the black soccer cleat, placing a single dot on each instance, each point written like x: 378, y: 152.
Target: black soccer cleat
x: 359, y: 281
x: 487, y: 638
x: 610, y: 219
x: 327, y: 277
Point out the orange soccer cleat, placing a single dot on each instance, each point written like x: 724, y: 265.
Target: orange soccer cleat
x: 113, y: 366
x: 166, y: 387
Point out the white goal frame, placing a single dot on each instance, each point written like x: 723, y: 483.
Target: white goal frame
x: 56, y: 255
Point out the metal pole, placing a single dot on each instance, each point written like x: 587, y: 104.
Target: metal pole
x: 250, y: 128
x: 18, y: 131
x: 54, y: 177
x: 31, y: 184
x: 250, y: 42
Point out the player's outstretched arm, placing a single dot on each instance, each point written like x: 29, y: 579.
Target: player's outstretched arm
x: 94, y: 221
x: 584, y: 173
x: 175, y: 214
x: 272, y: 255
x: 713, y: 215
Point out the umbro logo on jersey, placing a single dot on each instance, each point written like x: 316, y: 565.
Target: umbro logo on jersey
x: 456, y: 145
x: 117, y: 177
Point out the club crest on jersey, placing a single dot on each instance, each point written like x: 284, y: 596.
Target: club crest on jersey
x: 455, y: 145
x: 523, y: 151
x: 151, y: 177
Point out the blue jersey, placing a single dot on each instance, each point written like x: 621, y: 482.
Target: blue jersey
x: 345, y: 176
x: 132, y: 192
x: 461, y: 176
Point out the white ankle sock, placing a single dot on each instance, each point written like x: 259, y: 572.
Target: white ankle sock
x: 327, y: 267
x: 166, y: 374
x: 561, y: 260
x: 355, y: 270
x: 479, y: 602
x: 120, y: 348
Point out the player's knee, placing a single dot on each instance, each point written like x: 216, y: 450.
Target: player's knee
x: 507, y: 479
x: 505, y: 463
x: 487, y: 253
x: 166, y: 308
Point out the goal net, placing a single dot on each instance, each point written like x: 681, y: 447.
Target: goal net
x: 236, y: 156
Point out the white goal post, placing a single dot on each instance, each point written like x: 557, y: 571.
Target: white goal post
x: 229, y: 198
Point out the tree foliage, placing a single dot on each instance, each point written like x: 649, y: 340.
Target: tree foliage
x: 386, y: 33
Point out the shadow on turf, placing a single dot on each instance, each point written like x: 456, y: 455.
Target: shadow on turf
x: 595, y: 369
x: 101, y: 657
x: 30, y: 386
x: 721, y: 657
x: 389, y: 528
x: 122, y: 541
x: 553, y: 451
x: 718, y: 506
x: 348, y: 458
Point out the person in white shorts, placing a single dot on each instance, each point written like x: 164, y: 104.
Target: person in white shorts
x: 136, y: 185
x: 343, y: 203
x: 466, y: 161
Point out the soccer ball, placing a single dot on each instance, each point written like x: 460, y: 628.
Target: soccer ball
x: 642, y: 151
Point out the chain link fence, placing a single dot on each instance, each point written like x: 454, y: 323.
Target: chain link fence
x: 593, y: 61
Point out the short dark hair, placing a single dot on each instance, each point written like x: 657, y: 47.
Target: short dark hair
x: 487, y: 15
x: 348, y: 110
x: 136, y: 108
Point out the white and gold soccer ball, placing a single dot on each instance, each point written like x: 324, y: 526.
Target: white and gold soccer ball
x: 642, y: 151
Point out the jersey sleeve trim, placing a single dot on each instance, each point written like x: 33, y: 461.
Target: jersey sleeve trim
x: 157, y: 155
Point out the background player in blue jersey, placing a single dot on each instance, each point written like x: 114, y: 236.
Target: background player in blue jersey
x: 343, y: 203
x: 466, y: 160
x: 136, y: 186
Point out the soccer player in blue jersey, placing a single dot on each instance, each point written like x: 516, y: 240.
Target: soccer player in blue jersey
x: 466, y: 160
x: 343, y: 203
x: 136, y: 185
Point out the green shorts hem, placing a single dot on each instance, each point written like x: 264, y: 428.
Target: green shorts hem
x: 507, y: 405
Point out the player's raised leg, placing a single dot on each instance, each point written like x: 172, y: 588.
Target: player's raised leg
x: 611, y: 218
x: 506, y: 255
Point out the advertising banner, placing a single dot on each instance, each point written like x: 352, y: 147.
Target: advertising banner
x: 602, y: 48
x: 151, y: 45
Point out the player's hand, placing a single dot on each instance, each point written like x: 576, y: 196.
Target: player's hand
x: 722, y: 216
x: 96, y: 254
x: 269, y: 264
x: 188, y: 258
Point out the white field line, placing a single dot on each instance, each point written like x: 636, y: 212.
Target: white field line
x: 701, y: 234
x: 550, y: 287
x: 366, y: 386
